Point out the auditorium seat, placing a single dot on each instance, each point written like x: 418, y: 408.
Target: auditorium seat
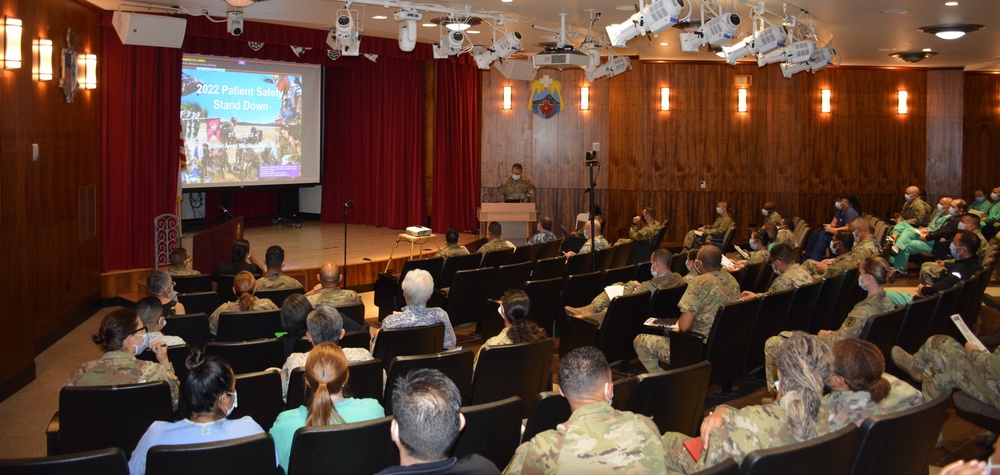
x: 456, y: 365
x: 389, y: 294
x: 770, y: 316
x: 110, y: 461
x: 492, y: 430
x: 823, y: 455
x: 361, y: 447
x: 617, y: 274
x: 455, y: 264
x: 900, y: 443
x: 365, y: 382
x: 622, y: 323
x: 192, y: 327
x: 261, y: 397
x: 184, y: 284
x: 725, y: 347
x: 663, y: 303
x: 883, y: 331
x: 247, y: 326
x: 497, y: 258
x: 802, y: 307
x: 252, y: 455
x: 685, y: 389
x: 545, y: 298
x: 548, y: 268
x: 522, y: 369
x: 551, y: 249
x: 393, y: 342
x: 278, y: 296
x: 199, y: 302
x: 550, y: 409
x: 526, y: 253
x: 249, y: 356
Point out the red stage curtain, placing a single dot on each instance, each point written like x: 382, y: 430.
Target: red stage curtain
x: 456, y: 140
x: 374, y: 143
x: 140, y: 97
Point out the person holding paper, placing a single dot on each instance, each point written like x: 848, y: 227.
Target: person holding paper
x: 703, y: 233
x: 760, y: 243
x: 805, y: 363
x: 943, y: 364
x: 789, y: 273
x: 662, y: 279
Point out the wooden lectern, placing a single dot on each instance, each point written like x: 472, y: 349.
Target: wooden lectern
x: 515, y: 218
x: 214, y: 245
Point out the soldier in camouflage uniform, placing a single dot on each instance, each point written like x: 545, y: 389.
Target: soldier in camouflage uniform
x: 805, y: 364
x: 516, y: 187
x: 916, y: 212
x: 329, y: 278
x: 930, y: 272
x: 122, y: 335
x: 874, y: 272
x: 865, y: 245
x: 451, y: 248
x: 770, y: 215
x: 274, y: 259
x: 789, y: 274
x: 844, y: 260
x: 860, y: 388
x: 244, y: 286
x: 662, y: 279
x: 497, y: 243
x: 702, y: 299
x: 759, y: 244
x: 784, y: 235
x: 178, y: 263
x: 597, y: 438
x: 599, y: 241
x: 942, y: 364
x: 650, y: 226
x: 720, y: 226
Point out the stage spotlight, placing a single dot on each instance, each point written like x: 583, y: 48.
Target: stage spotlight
x: 407, y: 28
x: 714, y: 32
x: 450, y: 44
x: 345, y: 35
x: 501, y: 49
x: 620, y: 34
x: 610, y: 69
x: 822, y: 58
x: 653, y: 18
x: 761, y: 42
x: 796, y: 52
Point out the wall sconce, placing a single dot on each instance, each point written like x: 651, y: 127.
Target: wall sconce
x: 664, y: 98
x: 42, y: 51
x: 506, y: 98
x: 87, y: 75
x: 12, y: 43
x: 741, y: 104
x: 585, y: 98
x: 824, y: 104
x: 901, y: 107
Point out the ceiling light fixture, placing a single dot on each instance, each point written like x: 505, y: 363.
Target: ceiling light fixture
x: 456, y: 23
x: 380, y: 17
x: 241, y: 3
x: 913, y: 56
x: 951, y: 32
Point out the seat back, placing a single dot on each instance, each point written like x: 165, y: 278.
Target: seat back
x: 432, y: 265
x: 175, y: 354
x: 199, y: 302
x: 622, y: 323
x: 617, y: 274
x: 605, y: 257
x: 971, y: 298
x: 685, y: 389
x: 677, y: 262
x: 365, y: 382
x: 354, y: 311
x: 358, y: 339
x: 578, y: 264
x: 550, y: 410
x: 883, y: 330
x: 846, y: 299
x: 901, y: 442
x: 941, y: 323
x: 622, y: 253
x: 193, y: 328
x: 246, y: 326
x: 511, y: 276
x: 751, y: 274
x: 916, y: 323
x: 526, y: 253
x: 803, y: 306
x: 551, y: 249
x: 224, y: 286
x: 361, y: 447
x: 110, y: 461
x: 548, y: 268
x: 253, y: 455
x: 545, y: 298
x: 249, y: 356
x: 825, y: 303
x: 727, y: 342
x: 393, y: 342
x: 456, y: 365
x: 85, y: 412
x: 455, y: 264
x: 468, y: 295
x: 824, y: 455
x: 580, y: 289
x: 642, y: 250
x: 261, y: 397
x: 726, y: 467
x: 763, y: 280
x: 642, y: 272
x: 492, y: 430
x: 523, y: 370
x: 184, y: 284
x: 497, y: 258
x: 770, y: 316
x: 278, y: 296
x: 663, y: 303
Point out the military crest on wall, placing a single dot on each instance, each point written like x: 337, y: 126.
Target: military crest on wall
x: 546, y: 97
x: 70, y: 69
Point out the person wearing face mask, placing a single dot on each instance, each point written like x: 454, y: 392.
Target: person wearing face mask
x: 516, y: 188
x: 513, y: 308
x: 760, y: 243
x: 980, y: 203
x: 935, y: 241
x: 596, y: 436
x: 902, y: 233
x: 161, y: 286
x: 789, y: 273
x: 151, y: 312
x: 843, y: 260
x: 931, y: 271
x: 703, y: 297
x: 873, y: 274
x: 209, y: 395
x: 644, y: 227
x: 783, y: 234
x: 122, y: 335
x: 770, y: 215
x: 692, y: 270
x: 963, y: 247
x: 662, y: 279
x: 992, y: 221
x: 818, y: 242
x: 722, y: 224
x: 916, y: 212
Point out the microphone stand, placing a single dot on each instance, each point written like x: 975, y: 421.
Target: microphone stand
x: 347, y: 206
x: 591, y: 162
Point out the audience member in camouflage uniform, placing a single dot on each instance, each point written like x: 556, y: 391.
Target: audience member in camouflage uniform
x: 179, y: 261
x: 599, y: 241
x: 843, y: 261
x: 930, y: 272
x: 720, y: 226
x: 760, y: 243
x: 860, y: 387
x: 244, y: 286
x: 942, y: 364
x: 650, y: 227
x: 916, y: 212
x: 874, y: 272
x: 805, y: 363
x: 417, y: 288
x: 150, y: 311
x: 323, y: 325
x: 692, y: 270
x: 789, y: 274
x: 544, y: 228
x: 274, y: 259
x: 784, y: 235
x: 865, y: 245
x: 328, y: 291
x: 497, y: 243
x: 516, y: 187
x: 513, y: 309
x: 161, y: 286
x: 770, y: 215
x: 451, y: 245
x: 597, y: 438
x: 662, y: 279
x: 702, y: 299
x: 122, y: 336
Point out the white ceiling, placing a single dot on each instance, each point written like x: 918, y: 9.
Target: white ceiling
x: 861, y: 33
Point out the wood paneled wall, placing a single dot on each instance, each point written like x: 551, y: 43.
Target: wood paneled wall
x: 981, y: 134
x: 52, y: 272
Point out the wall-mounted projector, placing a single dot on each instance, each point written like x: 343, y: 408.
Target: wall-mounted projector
x: 149, y: 30
x: 561, y: 58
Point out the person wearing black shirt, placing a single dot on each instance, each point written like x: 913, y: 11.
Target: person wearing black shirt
x: 963, y: 247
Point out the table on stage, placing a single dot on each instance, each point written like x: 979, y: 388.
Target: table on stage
x: 421, y: 240
x: 515, y: 218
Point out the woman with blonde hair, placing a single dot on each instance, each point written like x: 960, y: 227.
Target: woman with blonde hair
x: 326, y: 374
x: 244, y: 286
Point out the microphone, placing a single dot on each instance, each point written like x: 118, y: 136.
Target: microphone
x: 348, y: 204
x: 225, y: 212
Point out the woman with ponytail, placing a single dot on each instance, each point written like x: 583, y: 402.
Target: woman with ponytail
x: 514, y: 306
x: 243, y: 288
x: 804, y: 365
x: 208, y: 396
x: 861, y: 388
x: 325, y: 376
